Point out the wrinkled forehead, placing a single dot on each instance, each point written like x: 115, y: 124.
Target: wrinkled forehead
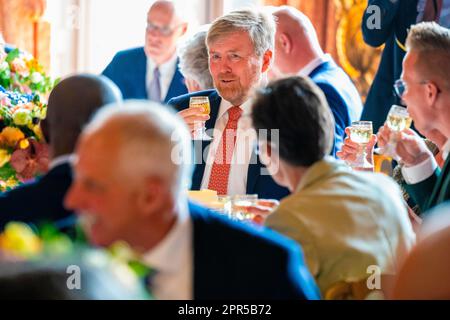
x: 238, y: 40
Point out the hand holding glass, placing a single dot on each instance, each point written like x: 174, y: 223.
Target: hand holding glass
x: 360, y: 133
x: 398, y: 119
x: 203, y: 102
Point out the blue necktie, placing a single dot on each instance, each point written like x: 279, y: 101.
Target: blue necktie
x: 155, y: 86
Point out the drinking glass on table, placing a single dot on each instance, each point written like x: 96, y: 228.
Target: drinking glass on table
x: 360, y: 133
x: 203, y: 102
x: 398, y: 119
x: 240, y: 206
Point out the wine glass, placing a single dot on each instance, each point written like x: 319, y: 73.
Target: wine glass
x: 361, y: 132
x: 200, y: 130
x: 240, y: 205
x: 398, y: 119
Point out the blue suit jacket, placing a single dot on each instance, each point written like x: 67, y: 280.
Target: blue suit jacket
x: 38, y: 201
x: 263, y: 185
x: 236, y: 261
x: 342, y: 96
x: 128, y: 71
x: 397, y: 17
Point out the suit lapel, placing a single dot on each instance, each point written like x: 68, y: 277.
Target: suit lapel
x: 253, y: 172
x: 141, y: 75
x: 440, y: 189
x: 177, y: 86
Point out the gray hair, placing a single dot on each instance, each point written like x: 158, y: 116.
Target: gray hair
x: 193, y: 56
x: 152, y: 138
x: 259, y: 24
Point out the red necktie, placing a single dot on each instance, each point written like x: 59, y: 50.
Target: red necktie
x: 220, y: 170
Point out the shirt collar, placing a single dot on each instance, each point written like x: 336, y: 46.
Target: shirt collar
x: 318, y: 171
x: 167, y: 67
x: 225, y: 106
x: 60, y: 160
x: 312, y: 65
x: 168, y: 255
x: 446, y: 150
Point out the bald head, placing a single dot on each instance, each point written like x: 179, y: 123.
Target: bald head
x: 165, y: 26
x: 70, y: 106
x: 296, y: 40
x: 148, y: 135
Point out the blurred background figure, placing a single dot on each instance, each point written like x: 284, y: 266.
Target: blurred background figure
x: 346, y: 221
x: 194, y: 62
x: 396, y: 19
x: 424, y: 274
x: 71, y: 104
x: 151, y: 72
x: 298, y: 52
x: 45, y: 280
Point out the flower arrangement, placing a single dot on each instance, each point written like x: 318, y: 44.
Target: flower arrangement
x: 24, y: 88
x: 20, y: 71
x: 23, y: 152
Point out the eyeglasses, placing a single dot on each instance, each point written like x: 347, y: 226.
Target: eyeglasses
x: 164, y: 31
x: 400, y: 87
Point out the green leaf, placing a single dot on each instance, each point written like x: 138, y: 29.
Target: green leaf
x: 7, y: 172
x: 12, y: 55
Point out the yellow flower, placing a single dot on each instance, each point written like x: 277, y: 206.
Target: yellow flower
x: 10, y: 136
x: 4, y: 157
x: 38, y: 132
x: 23, y: 144
x: 19, y: 239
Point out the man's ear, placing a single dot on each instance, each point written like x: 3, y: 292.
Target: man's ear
x: 184, y: 27
x: 154, y: 197
x: 432, y: 94
x: 267, y: 59
x: 285, y: 42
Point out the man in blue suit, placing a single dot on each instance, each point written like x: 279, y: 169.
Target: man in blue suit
x: 71, y: 104
x: 131, y: 176
x: 298, y: 52
x: 238, y: 59
x: 397, y: 18
x: 151, y: 72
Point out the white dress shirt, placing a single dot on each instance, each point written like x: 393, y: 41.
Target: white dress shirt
x: 425, y: 169
x: 166, y: 71
x: 66, y: 158
x: 245, y: 144
x: 313, y: 64
x: 172, y: 259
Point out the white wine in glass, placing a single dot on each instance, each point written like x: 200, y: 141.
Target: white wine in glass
x: 200, y: 101
x: 361, y: 132
x: 398, y: 119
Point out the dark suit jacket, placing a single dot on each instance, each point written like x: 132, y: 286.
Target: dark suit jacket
x: 236, y: 261
x: 263, y: 185
x: 38, y: 201
x: 342, y: 96
x: 397, y: 17
x: 432, y: 191
x: 128, y: 71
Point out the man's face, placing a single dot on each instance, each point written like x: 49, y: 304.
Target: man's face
x: 102, y: 197
x: 415, y: 95
x: 163, y: 32
x: 234, y: 66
